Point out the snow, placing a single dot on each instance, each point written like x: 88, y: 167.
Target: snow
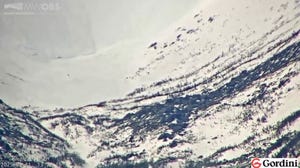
x: 243, y: 34
x: 229, y: 28
x: 242, y: 29
x: 88, y: 58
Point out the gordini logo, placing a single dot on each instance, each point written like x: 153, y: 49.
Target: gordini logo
x: 255, y: 163
x: 274, y: 162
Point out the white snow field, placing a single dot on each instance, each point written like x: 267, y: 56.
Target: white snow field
x: 215, y: 87
x: 196, y: 62
x: 81, y: 53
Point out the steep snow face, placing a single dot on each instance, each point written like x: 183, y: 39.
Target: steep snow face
x: 218, y: 28
x: 83, y: 50
x: 115, y: 20
x: 227, y: 84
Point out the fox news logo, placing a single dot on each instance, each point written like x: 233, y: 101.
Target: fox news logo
x: 274, y: 162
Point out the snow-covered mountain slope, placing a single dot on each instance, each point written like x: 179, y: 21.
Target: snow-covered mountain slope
x: 227, y: 89
x: 246, y: 117
x: 24, y: 142
x: 85, y: 79
x: 81, y: 49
